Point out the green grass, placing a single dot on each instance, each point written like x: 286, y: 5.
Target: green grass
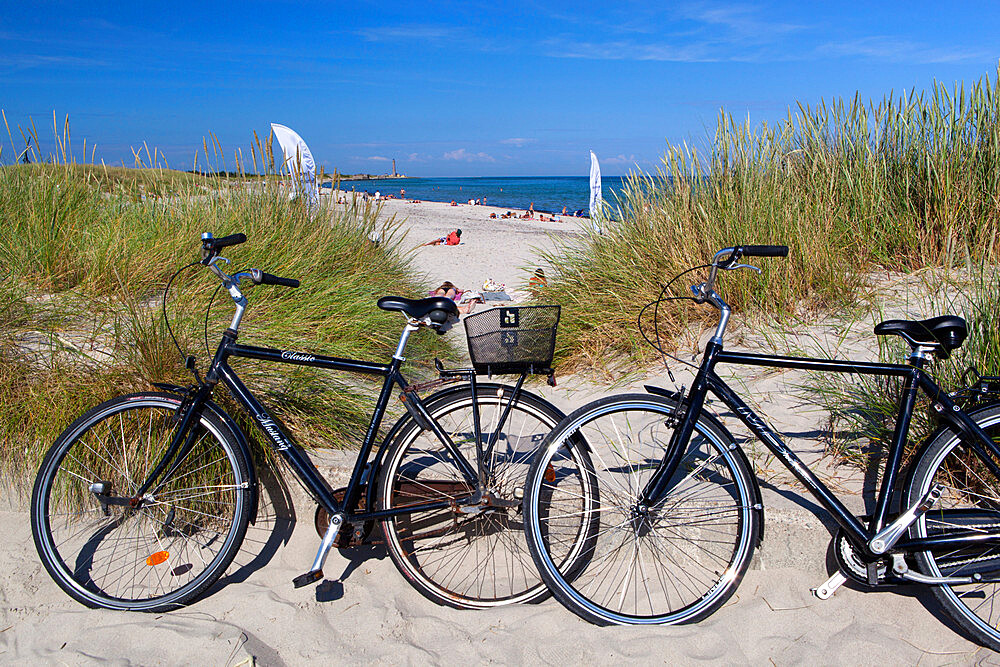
x: 863, y: 408
x: 83, y: 272
x: 902, y: 183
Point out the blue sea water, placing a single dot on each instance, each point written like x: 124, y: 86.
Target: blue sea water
x: 548, y: 193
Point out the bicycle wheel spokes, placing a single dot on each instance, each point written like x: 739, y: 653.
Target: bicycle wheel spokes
x: 471, y: 553
x: 969, y: 504
x: 665, y: 563
x: 110, y: 548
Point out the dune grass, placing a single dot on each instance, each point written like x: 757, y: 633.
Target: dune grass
x: 863, y: 409
x: 902, y: 183
x: 83, y: 273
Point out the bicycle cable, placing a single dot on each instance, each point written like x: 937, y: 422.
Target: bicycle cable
x: 656, y: 330
x: 166, y: 292
x: 208, y: 311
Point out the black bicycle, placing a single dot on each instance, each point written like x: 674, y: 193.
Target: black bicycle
x: 144, y: 500
x: 674, y: 513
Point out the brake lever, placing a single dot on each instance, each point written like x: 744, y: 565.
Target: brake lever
x: 743, y: 266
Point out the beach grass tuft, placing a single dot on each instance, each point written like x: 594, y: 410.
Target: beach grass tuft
x: 900, y: 184
x: 86, y: 254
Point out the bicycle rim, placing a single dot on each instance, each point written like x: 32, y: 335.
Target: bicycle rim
x: 464, y: 555
x: 674, y: 562
x: 167, y: 548
x: 970, y: 501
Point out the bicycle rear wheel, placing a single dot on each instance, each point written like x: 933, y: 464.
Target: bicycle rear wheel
x: 674, y: 562
x: 969, y: 502
x: 163, y: 550
x: 466, y: 554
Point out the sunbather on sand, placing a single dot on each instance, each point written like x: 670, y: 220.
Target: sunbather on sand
x: 449, y: 291
x: 453, y: 238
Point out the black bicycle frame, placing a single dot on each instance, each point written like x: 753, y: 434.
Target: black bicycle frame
x: 914, y: 378
x: 220, y: 371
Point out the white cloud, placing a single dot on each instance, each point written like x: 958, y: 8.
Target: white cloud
x: 520, y: 142
x: 373, y: 158
x: 465, y: 156
x: 620, y: 159
x: 410, y: 32
x: 893, y: 49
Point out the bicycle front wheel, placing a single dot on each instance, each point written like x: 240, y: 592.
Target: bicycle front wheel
x: 673, y: 562
x: 106, y: 548
x: 969, y: 503
x: 466, y: 554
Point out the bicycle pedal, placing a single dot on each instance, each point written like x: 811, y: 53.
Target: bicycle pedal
x: 310, y: 577
x: 830, y: 586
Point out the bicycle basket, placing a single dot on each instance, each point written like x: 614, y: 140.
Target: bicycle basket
x: 512, y: 339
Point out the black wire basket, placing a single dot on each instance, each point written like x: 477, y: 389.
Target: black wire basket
x: 513, y: 339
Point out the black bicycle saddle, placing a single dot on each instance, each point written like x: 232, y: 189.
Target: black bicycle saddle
x: 420, y: 308
x: 946, y: 332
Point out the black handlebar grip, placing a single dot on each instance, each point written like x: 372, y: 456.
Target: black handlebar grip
x: 764, y: 250
x: 268, y: 279
x: 226, y: 241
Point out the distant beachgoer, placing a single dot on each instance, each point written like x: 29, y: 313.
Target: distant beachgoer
x: 563, y: 211
x: 449, y: 291
x: 453, y: 238
x: 402, y: 193
x: 472, y: 202
x: 537, y: 281
x: 378, y: 195
x: 453, y: 203
x: 493, y: 215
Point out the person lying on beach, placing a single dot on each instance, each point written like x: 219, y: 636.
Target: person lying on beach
x: 449, y: 291
x: 453, y: 238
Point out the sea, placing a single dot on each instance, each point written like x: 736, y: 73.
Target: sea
x: 549, y: 194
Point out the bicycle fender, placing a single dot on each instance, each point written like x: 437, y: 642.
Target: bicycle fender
x: 241, y: 442
x: 708, y: 416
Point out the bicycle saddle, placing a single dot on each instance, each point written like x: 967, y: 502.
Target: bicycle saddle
x: 420, y: 308
x: 945, y: 333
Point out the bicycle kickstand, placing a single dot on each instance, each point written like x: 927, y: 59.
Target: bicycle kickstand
x: 315, y: 573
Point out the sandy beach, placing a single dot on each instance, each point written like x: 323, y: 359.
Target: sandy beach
x: 366, y: 612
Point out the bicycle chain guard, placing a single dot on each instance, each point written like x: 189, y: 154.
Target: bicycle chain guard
x: 349, y: 535
x: 856, y: 569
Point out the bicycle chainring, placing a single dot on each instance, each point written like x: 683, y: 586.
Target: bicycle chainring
x: 350, y: 535
x: 851, y: 565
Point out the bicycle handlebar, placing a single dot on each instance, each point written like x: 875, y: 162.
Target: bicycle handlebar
x: 728, y: 259
x: 763, y: 250
x: 226, y: 241
x: 261, y: 278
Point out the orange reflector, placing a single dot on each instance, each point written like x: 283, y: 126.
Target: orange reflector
x: 157, y: 558
x: 550, y: 473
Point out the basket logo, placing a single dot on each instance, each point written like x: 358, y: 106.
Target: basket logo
x: 508, y: 339
x: 509, y: 317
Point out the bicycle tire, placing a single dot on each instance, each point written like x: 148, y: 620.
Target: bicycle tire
x: 176, y: 543
x: 468, y: 561
x: 970, y: 499
x: 673, y: 563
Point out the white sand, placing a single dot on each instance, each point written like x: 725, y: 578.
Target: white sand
x: 366, y: 612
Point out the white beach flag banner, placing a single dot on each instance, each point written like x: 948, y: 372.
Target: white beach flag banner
x: 595, y: 188
x: 298, y: 158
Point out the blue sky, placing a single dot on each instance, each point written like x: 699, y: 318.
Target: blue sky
x: 462, y: 88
